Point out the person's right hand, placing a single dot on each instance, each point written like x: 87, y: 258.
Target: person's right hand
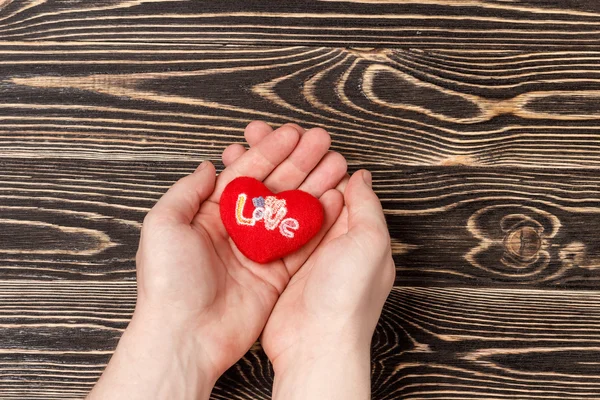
x: 318, y: 335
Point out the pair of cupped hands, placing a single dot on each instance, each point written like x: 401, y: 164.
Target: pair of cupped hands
x: 202, y: 304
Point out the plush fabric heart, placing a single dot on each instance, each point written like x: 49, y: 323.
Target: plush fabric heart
x: 267, y: 226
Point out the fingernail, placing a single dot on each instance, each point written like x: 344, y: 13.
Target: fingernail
x: 368, y: 178
x: 202, y: 165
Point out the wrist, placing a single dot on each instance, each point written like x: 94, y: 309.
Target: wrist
x: 153, y: 360
x: 308, y: 344
x: 324, y: 368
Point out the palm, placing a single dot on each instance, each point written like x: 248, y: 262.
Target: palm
x: 309, y: 291
x: 239, y: 287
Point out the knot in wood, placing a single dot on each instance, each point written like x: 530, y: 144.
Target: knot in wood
x: 523, y: 242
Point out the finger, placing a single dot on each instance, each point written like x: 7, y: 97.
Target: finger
x: 313, y: 145
x: 332, y: 202
x: 232, y: 153
x: 256, y: 131
x: 182, y: 201
x: 341, y: 186
x: 365, y: 214
x: 326, y: 175
x: 339, y: 228
x: 300, y: 129
x: 259, y: 161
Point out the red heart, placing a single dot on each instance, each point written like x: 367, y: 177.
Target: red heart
x: 288, y: 220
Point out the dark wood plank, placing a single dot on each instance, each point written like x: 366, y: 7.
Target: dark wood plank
x: 56, y: 337
x: 484, y: 24
x: 449, y: 225
x: 489, y: 227
x: 408, y: 107
x: 451, y: 343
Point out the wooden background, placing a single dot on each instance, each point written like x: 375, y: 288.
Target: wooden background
x: 478, y: 118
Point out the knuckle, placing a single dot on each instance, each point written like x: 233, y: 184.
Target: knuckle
x: 392, y: 272
x: 388, y: 274
x: 138, y: 256
x: 149, y: 219
x: 380, y: 235
x: 153, y: 219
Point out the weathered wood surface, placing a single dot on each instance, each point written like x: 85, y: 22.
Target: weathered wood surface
x: 408, y: 107
x: 484, y: 24
x: 453, y: 343
x: 479, y: 120
x: 86, y: 217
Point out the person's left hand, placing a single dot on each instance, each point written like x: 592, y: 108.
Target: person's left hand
x: 201, y: 303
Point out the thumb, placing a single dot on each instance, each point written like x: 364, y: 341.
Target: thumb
x: 182, y: 201
x: 365, y: 214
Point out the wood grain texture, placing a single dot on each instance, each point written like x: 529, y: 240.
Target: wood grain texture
x: 483, y: 24
x: 451, y: 343
x: 87, y: 217
x: 434, y: 339
x: 407, y: 107
x: 478, y: 118
x: 494, y: 227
